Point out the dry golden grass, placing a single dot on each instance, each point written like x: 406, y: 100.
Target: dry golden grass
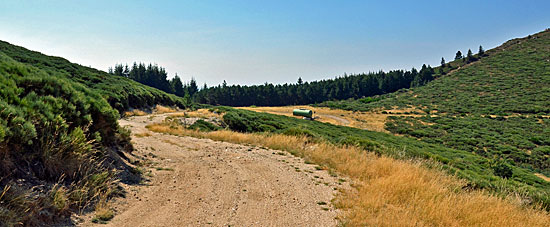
x: 163, y: 109
x: 145, y: 134
x: 200, y: 113
x: 135, y: 112
x: 103, y: 213
x: 391, y: 192
x: 59, y: 198
x: 373, y: 121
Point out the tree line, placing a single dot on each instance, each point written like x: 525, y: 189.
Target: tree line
x: 155, y: 76
x: 299, y: 93
x: 469, y: 56
x: 339, y: 88
x: 344, y: 87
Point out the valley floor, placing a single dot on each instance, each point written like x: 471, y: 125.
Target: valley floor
x: 202, y: 182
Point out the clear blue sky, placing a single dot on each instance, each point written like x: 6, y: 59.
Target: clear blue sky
x: 252, y: 42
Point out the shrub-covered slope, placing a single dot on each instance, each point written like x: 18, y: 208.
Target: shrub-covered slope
x: 121, y: 93
x: 478, y: 170
x: 513, y: 79
x: 497, y: 108
x: 54, y: 136
x: 60, y: 142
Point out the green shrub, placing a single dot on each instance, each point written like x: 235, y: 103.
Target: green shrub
x: 55, y: 131
x: 266, y: 128
x: 296, y: 131
x: 236, y: 122
x: 204, y: 126
x: 502, y: 169
x: 360, y: 142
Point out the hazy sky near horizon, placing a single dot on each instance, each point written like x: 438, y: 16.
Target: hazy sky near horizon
x: 252, y: 42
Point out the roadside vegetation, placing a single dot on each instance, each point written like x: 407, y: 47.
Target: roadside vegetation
x: 497, y: 108
x: 61, y: 148
x: 404, y: 191
x: 479, y: 171
x: 56, y: 139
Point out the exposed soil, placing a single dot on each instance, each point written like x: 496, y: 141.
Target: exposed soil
x: 203, y: 182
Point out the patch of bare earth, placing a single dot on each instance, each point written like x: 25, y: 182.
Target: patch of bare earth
x: 542, y: 177
x: 195, y: 182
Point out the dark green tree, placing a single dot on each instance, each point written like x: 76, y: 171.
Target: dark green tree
x: 470, y: 56
x: 177, y: 85
x: 458, y: 55
x: 126, y: 71
x: 480, y: 52
x: 193, y: 88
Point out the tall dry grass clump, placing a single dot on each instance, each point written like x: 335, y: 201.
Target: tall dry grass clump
x: 200, y: 113
x: 134, y: 112
x: 390, y: 192
x: 163, y: 109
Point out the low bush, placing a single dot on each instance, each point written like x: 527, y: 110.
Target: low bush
x: 295, y: 131
x: 204, y: 126
x: 57, y: 142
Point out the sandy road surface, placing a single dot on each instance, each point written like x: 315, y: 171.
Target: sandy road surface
x: 211, y: 183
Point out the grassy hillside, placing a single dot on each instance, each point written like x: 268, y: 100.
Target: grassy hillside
x: 60, y: 142
x: 512, y: 79
x: 121, y: 93
x: 476, y: 169
x: 497, y: 108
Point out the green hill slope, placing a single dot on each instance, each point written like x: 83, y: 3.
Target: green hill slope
x: 121, y: 93
x: 477, y: 170
x: 497, y: 108
x: 60, y: 142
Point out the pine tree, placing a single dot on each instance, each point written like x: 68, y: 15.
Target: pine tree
x: 187, y: 100
x: 458, y: 55
x: 442, y: 62
x: 177, y: 86
x: 193, y: 88
x: 469, y: 56
x: 126, y: 71
x: 300, y: 81
x: 481, y: 52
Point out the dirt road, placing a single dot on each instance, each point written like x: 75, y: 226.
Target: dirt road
x: 200, y: 182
